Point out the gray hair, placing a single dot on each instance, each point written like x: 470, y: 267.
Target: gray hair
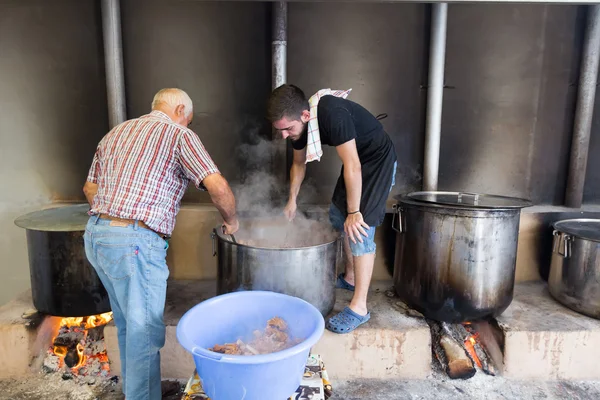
x: 173, y: 97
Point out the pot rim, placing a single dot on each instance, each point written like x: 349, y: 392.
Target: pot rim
x: 404, y: 199
x: 219, y: 233
x: 518, y: 203
x: 576, y: 235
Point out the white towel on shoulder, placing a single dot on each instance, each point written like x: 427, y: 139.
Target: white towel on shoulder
x: 313, y: 142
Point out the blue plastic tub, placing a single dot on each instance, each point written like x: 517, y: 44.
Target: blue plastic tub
x: 226, y: 318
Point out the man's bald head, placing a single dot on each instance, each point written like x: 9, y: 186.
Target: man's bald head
x: 176, y: 104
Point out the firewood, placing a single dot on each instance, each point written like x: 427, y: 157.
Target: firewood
x: 460, y: 365
x: 96, y: 333
x: 450, y: 353
x: 491, y: 338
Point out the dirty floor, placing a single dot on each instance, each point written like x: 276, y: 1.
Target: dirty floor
x: 438, y: 387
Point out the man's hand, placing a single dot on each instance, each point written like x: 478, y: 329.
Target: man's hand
x: 355, y: 227
x: 230, y: 229
x: 290, y: 210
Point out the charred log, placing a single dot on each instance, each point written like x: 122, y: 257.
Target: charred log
x: 490, y: 340
x: 72, y: 358
x: 69, y: 338
x: 96, y: 333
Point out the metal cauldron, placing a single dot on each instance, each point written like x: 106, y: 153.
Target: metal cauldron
x: 574, y: 279
x: 63, y: 283
x: 308, y: 272
x: 456, y: 253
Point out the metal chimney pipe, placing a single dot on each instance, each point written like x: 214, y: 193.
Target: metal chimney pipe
x: 278, y: 78
x: 586, y: 93
x: 113, y: 60
x: 279, y: 44
x: 435, y: 92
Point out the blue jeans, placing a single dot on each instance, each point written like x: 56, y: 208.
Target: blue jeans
x: 131, y: 263
x: 368, y: 246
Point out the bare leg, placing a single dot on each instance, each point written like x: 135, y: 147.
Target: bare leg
x: 349, y: 262
x: 363, y: 270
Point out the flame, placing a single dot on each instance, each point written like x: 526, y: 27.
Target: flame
x: 470, y: 342
x: 60, y: 351
x: 82, y: 358
x: 87, y: 322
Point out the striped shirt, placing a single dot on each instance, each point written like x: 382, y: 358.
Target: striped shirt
x: 143, y: 167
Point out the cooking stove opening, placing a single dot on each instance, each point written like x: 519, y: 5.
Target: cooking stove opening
x: 77, y: 348
x: 462, y: 349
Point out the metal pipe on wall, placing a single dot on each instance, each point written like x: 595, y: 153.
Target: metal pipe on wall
x: 279, y: 44
x: 435, y: 92
x: 586, y: 93
x: 278, y: 78
x: 113, y: 61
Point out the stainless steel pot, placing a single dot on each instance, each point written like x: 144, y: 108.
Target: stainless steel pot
x: 574, y: 279
x: 456, y: 253
x: 306, y: 272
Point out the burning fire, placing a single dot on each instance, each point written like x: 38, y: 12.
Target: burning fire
x: 71, y: 354
x: 90, y: 322
x: 470, y: 343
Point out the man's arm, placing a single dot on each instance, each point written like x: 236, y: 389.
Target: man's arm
x: 222, y: 197
x: 354, y: 225
x: 90, y: 189
x: 199, y: 167
x: 91, y: 185
x: 297, y: 174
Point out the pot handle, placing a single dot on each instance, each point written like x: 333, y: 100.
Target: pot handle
x: 474, y: 195
x: 397, y: 211
x: 565, y: 242
x: 213, y: 236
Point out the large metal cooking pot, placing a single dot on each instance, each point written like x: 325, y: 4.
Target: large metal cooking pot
x: 456, y: 253
x: 63, y: 283
x: 252, y: 261
x: 574, y: 279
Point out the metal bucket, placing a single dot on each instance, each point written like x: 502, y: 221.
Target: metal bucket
x: 574, y: 279
x: 307, y: 272
x: 63, y: 282
x: 456, y: 253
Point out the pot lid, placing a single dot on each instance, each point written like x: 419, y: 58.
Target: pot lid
x: 582, y: 227
x: 59, y: 219
x: 469, y: 200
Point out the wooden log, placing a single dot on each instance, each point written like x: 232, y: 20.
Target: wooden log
x: 451, y: 353
x: 460, y: 365
x: 476, y: 351
x: 95, y: 333
x: 490, y: 337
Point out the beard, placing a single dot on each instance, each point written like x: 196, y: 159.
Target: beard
x: 304, y: 131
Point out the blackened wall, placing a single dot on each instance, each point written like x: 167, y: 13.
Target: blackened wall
x: 52, y: 114
x: 219, y: 53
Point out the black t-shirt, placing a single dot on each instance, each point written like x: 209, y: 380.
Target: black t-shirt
x: 341, y: 120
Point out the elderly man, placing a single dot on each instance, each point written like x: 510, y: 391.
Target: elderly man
x: 368, y: 173
x: 138, y: 176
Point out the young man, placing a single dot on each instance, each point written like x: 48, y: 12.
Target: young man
x: 359, y: 198
x: 137, y: 179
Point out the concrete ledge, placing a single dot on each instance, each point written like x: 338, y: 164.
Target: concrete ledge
x: 390, y: 345
x: 16, y: 339
x: 545, y: 340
